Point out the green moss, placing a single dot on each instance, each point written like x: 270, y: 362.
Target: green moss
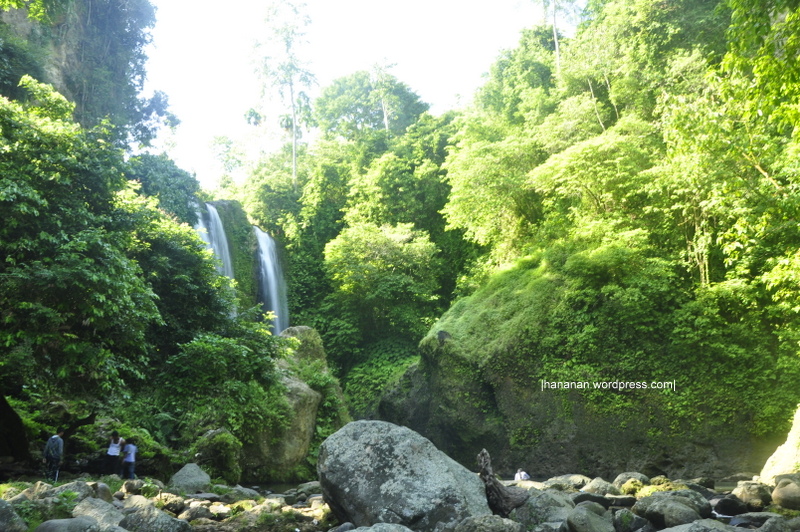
x: 780, y: 510
x: 220, y: 454
x: 631, y: 487
x: 654, y: 488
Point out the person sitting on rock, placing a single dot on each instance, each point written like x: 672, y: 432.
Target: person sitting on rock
x: 521, y: 475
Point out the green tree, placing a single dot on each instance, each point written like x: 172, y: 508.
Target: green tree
x: 190, y: 295
x: 362, y: 105
x: 76, y: 308
x: 385, y: 276
x: 281, y: 67
x: 160, y: 177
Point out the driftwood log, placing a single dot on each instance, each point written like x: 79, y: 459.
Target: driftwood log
x: 502, y: 499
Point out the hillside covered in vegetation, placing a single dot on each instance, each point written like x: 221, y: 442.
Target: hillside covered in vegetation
x: 619, y: 205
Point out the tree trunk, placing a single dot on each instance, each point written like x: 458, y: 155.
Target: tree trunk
x: 502, y: 499
x: 13, y: 441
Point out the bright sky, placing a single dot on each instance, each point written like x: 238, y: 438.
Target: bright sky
x: 202, y: 51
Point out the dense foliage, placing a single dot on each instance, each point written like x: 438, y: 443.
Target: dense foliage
x: 619, y: 204
x: 641, y: 172
x: 111, y: 303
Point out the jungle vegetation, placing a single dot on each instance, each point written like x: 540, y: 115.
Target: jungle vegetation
x: 646, y: 166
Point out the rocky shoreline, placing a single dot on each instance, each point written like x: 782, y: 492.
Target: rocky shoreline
x: 384, y: 478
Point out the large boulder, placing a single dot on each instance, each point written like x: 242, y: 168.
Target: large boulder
x: 787, y: 494
x: 376, y: 472
x: 9, y: 520
x: 488, y: 523
x: 279, y: 458
x: 105, y: 514
x: 672, y: 508
x: 601, y: 487
x: 543, y: 506
x: 81, y: 489
x: 142, y: 515
x: 786, y: 458
x: 276, y: 458
x: 584, y: 519
x: 75, y: 524
x: 755, y: 495
x: 190, y: 479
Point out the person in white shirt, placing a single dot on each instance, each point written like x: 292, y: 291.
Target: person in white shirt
x: 521, y: 475
x: 115, y: 446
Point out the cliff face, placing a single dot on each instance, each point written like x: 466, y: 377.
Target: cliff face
x: 92, y: 52
x: 479, y: 383
x: 56, y: 46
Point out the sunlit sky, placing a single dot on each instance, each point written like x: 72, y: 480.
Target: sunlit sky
x: 202, y: 57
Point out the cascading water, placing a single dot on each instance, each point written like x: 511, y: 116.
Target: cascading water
x: 272, y: 287
x: 213, y: 234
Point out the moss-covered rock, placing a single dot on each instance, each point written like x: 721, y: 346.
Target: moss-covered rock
x: 553, y: 366
x: 220, y: 453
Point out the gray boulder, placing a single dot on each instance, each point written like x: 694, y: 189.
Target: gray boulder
x: 625, y: 520
x: 567, y: 482
x: 703, y: 525
x: 601, y: 487
x: 488, y: 523
x: 76, y: 524
x: 376, y: 472
x: 190, y: 479
x: 102, y: 491
x: 793, y: 523
x: 728, y: 505
x: 170, y: 502
x: 132, y: 486
x: 80, y: 488
x: 787, y: 494
x: 383, y: 527
x: 141, y: 515
x: 584, y: 518
x: 755, y: 495
x: 671, y: 511
x: 621, y: 500
x: 582, y: 496
x: 9, y: 520
x: 196, y: 512
x: 775, y: 524
x: 786, y: 458
x: 752, y: 519
x: 105, y: 514
x: 542, y: 507
x: 688, y: 497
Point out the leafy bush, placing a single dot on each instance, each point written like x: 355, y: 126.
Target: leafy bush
x: 386, y: 361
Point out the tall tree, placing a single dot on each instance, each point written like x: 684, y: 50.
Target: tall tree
x: 357, y: 106
x: 280, y: 65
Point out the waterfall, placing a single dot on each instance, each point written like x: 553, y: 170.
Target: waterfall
x: 213, y: 234
x: 272, y: 288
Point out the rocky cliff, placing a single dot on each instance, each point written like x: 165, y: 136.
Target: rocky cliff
x: 513, y: 369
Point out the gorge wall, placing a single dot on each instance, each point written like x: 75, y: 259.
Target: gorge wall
x: 478, y: 383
